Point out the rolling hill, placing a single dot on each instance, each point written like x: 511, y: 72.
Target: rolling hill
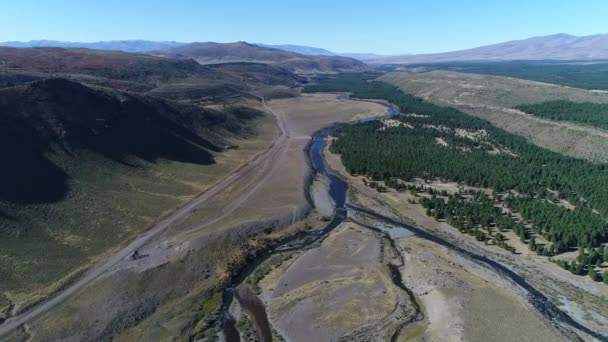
x: 99, y: 144
x: 213, y: 53
x: 554, y: 47
x: 116, y: 69
x: 87, y: 168
x: 174, y: 78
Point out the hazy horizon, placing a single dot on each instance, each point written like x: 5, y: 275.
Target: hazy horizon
x: 390, y: 28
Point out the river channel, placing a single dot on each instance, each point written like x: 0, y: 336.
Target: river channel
x: 338, y: 190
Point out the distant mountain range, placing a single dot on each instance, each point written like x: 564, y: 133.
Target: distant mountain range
x: 304, y: 50
x: 149, y: 45
x: 555, y: 47
x: 309, y: 50
x: 119, y: 45
x: 214, y: 53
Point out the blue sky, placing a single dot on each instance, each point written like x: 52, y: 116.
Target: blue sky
x: 343, y: 26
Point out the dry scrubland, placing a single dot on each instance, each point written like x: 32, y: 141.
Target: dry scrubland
x: 582, y: 298
x: 121, y: 190
x: 493, y: 97
x: 172, y: 290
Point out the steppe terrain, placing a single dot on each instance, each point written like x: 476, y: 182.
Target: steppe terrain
x: 210, y: 222
x: 171, y: 289
x: 494, y: 97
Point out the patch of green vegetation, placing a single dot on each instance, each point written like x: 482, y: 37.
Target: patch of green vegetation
x: 259, y: 274
x: 572, y: 74
x: 342, y: 83
x: 210, y: 305
x: 477, y: 154
x: 593, y: 114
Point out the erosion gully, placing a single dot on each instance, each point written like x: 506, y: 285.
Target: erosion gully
x: 255, y: 308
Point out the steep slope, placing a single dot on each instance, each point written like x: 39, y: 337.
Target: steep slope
x: 60, y: 116
x: 212, y: 53
x: 555, y: 47
x: 85, y: 169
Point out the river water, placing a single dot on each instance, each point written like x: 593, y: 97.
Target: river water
x: 338, y: 190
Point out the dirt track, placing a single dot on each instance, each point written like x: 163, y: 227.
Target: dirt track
x: 254, y: 170
x: 268, y: 187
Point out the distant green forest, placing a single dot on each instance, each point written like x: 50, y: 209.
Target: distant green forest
x: 572, y: 74
x: 593, y: 114
x: 476, y: 153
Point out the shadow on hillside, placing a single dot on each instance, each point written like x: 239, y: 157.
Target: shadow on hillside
x: 62, y: 118
x: 5, y: 216
x: 142, y: 131
x: 27, y: 176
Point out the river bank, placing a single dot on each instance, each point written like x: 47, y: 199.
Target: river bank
x: 303, y: 297
x: 524, y: 277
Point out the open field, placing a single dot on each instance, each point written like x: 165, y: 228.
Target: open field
x: 200, y: 249
x: 287, y: 174
x: 335, y: 289
x: 581, y: 297
x: 493, y: 97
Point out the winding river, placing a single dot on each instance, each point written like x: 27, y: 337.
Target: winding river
x: 338, y: 190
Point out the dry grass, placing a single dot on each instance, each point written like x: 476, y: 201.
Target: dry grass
x: 493, y: 97
x: 310, y: 112
x: 136, y: 198
x: 586, y: 297
x: 335, y: 288
x: 189, y: 258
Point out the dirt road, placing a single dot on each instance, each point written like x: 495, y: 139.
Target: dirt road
x: 254, y: 171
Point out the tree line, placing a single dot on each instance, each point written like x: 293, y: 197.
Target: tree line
x: 383, y: 153
x: 593, y: 114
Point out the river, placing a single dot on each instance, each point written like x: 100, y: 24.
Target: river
x: 338, y: 190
